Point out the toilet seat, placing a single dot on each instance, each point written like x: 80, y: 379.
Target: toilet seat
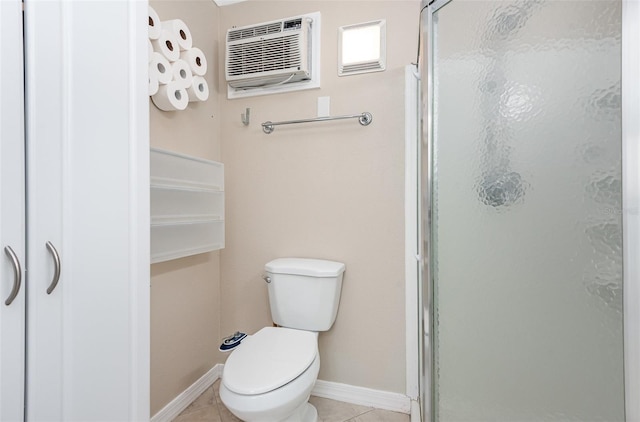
x: 269, y: 359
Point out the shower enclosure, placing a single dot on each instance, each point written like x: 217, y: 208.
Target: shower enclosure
x: 530, y: 214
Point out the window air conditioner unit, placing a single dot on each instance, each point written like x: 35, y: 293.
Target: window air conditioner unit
x: 269, y: 54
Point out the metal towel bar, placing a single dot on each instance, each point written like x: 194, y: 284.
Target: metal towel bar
x: 364, y: 119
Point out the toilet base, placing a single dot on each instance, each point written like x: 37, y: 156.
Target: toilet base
x: 306, y: 412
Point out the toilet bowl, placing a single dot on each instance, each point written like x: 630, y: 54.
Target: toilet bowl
x: 269, y: 377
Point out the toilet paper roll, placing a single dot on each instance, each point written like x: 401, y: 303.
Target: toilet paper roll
x: 167, y: 45
x: 181, y: 30
x: 181, y: 73
x: 153, y: 83
x: 155, y: 26
x: 198, y: 90
x: 171, y: 97
x: 196, y: 59
x: 150, y: 50
x: 161, y: 67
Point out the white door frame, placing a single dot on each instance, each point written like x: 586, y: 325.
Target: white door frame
x: 412, y: 251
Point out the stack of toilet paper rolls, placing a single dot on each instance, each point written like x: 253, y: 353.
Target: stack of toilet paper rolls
x: 176, y: 67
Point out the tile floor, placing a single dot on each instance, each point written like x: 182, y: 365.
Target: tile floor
x: 208, y: 407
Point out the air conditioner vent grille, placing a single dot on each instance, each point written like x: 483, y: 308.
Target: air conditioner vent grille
x: 254, y: 31
x: 264, y: 55
x: 276, y: 56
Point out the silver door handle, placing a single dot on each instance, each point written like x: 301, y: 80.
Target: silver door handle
x: 56, y: 262
x: 17, y: 274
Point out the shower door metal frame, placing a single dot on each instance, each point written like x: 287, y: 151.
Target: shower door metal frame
x: 426, y: 293
x: 630, y: 206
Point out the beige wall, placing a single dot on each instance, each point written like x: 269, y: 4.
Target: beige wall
x: 185, y: 293
x: 330, y: 190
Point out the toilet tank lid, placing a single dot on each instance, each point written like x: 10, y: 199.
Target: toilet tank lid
x: 305, y: 266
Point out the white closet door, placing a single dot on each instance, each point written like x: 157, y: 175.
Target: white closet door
x: 88, y: 195
x: 46, y: 127
x: 12, y: 316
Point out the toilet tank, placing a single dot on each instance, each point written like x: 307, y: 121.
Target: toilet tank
x: 304, y: 293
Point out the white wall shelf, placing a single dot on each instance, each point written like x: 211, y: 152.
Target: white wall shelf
x: 187, y: 205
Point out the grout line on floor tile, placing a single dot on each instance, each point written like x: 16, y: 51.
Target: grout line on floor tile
x: 357, y: 416
x: 371, y: 409
x: 219, y: 404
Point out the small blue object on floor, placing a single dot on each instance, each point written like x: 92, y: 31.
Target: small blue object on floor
x: 232, y: 342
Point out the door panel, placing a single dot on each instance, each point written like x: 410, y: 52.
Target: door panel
x: 526, y: 233
x: 88, y: 195
x: 12, y: 217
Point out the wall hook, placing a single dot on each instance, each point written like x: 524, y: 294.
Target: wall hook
x: 246, y: 117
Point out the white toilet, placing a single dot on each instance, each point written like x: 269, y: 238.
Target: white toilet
x: 269, y: 377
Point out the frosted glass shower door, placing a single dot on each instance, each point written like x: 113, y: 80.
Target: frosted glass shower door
x: 526, y: 229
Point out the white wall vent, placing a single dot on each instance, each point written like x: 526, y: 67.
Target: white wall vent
x: 274, y: 56
x: 362, y: 48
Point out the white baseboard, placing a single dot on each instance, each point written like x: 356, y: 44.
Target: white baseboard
x: 184, y: 399
x: 363, y: 396
x: 330, y: 390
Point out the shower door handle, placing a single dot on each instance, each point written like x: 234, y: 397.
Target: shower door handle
x: 17, y: 275
x: 56, y: 262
